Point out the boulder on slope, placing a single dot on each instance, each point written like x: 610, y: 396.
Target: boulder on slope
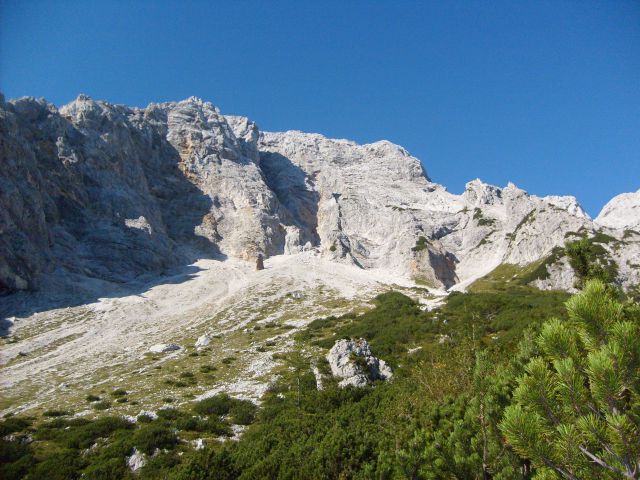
x: 164, y: 348
x: 353, y: 361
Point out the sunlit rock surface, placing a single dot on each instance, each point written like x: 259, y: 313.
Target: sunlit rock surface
x: 112, y: 193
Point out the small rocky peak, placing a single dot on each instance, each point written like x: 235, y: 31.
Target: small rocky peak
x: 243, y: 128
x: 247, y: 135
x: 32, y: 109
x: 621, y: 212
x: 385, y: 147
x: 479, y: 193
x: 156, y: 112
x: 396, y: 160
x: 200, y: 104
x: 568, y: 203
x: 88, y: 114
x: 84, y: 98
x: 353, y: 362
x: 512, y: 188
x: 195, y: 114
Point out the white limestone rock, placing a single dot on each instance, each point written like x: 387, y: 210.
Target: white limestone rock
x: 561, y: 277
x: 164, y: 348
x: 137, y: 460
x: 568, y: 203
x: 147, y: 413
x: 202, y: 341
x: 374, y: 203
x: 199, y: 443
x: 113, y: 193
x: 622, y: 212
x: 353, y: 361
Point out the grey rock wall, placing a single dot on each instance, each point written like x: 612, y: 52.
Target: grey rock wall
x: 112, y: 192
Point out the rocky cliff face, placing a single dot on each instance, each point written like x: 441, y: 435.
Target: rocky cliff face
x: 113, y: 192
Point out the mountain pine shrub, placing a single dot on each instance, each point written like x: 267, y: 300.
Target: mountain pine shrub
x: 575, y: 412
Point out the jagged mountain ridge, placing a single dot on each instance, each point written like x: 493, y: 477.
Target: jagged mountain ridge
x: 113, y: 192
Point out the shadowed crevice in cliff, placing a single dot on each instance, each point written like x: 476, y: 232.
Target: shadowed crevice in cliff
x: 296, y: 193
x: 444, y: 267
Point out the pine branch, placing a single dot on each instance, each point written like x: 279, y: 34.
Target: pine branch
x: 603, y: 464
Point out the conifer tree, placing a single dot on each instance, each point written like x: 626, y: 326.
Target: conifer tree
x: 575, y: 413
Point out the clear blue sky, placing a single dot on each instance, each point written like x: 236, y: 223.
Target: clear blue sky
x: 545, y: 94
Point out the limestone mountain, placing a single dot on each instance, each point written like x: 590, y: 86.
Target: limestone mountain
x: 111, y: 192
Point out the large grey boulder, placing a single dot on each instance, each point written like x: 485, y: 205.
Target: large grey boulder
x: 353, y: 361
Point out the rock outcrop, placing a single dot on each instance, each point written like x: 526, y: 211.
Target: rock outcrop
x: 110, y: 192
x: 203, y: 341
x: 164, y: 348
x: 136, y: 460
x: 353, y: 362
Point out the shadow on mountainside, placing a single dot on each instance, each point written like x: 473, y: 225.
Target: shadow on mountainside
x: 295, y: 191
x: 63, y: 290
x: 111, y: 222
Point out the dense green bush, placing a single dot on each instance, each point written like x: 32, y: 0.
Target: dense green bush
x: 243, y: 412
x: 84, y: 435
x: 109, y: 469
x: 102, y: 405
x: 590, y: 260
x: 151, y: 436
x: 158, y: 466
x: 15, y: 459
x: 14, y: 424
x: 576, y: 410
x: 421, y: 244
x: 56, y: 413
x: 169, y: 413
x: 217, y: 405
x: 62, y: 465
x: 119, y: 392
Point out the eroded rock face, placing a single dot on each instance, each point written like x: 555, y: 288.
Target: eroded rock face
x: 377, y: 208
x: 114, y: 192
x: 353, y: 361
x: 111, y: 192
